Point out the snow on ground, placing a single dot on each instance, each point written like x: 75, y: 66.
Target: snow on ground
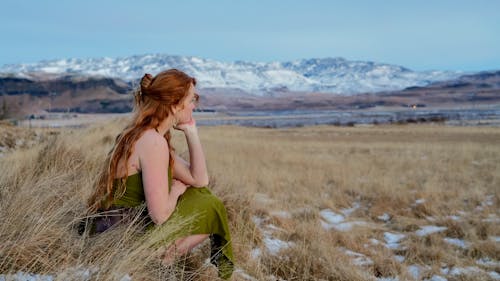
x: 263, y: 199
x: 494, y: 275
x: 399, y: 258
x: 436, y: 278
x: 74, y: 274
x: 492, y: 218
x: 488, y: 262
x: 454, y: 217
x: 281, y: 214
x: 272, y: 244
x: 419, y: 201
x: 429, y: 229
x: 22, y: 276
x: 358, y: 258
x: 331, y: 217
x: 349, y: 211
x: 384, y: 217
x: 245, y: 276
x: 457, y: 242
x: 255, y: 253
x: 392, y: 239
x: 488, y: 202
x: 416, y: 271
x: 331, y: 220
x: 468, y: 271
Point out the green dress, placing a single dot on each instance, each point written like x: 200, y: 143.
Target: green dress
x: 211, y: 217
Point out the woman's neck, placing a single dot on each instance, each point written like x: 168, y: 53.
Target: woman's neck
x: 165, y: 125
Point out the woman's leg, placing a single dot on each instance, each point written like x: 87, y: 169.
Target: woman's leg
x: 182, y: 246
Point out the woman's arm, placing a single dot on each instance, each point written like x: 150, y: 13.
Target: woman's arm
x: 193, y: 173
x: 153, y: 158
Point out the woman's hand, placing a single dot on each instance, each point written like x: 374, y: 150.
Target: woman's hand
x: 191, y: 124
x: 178, y: 188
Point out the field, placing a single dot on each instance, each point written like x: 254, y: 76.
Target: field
x: 387, y: 202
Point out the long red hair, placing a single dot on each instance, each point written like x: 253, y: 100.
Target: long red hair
x: 154, y: 100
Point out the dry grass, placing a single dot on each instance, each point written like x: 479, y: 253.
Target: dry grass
x: 275, y: 183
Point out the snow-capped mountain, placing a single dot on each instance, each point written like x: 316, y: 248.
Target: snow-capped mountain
x: 335, y: 75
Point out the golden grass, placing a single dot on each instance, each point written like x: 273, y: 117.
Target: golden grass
x: 280, y: 177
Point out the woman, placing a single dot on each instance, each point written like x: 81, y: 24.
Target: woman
x: 143, y: 168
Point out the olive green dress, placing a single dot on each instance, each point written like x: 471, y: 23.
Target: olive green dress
x: 211, y: 217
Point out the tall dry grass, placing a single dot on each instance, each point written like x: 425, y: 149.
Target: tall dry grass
x: 262, y: 174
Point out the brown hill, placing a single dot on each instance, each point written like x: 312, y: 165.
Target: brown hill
x: 23, y: 96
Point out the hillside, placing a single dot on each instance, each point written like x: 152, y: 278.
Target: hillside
x: 23, y: 96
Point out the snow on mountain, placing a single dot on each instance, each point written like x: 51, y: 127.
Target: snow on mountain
x: 335, y: 75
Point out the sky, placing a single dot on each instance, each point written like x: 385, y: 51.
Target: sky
x: 420, y: 35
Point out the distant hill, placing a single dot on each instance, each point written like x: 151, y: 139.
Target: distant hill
x: 327, y: 75
x: 23, y: 96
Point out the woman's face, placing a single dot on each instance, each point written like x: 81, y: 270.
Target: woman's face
x: 185, y: 113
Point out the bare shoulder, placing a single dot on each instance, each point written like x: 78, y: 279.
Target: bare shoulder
x: 151, y: 140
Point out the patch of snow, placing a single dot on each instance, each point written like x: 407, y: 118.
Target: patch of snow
x: 495, y: 238
x: 275, y: 245
x: 255, y: 253
x: 272, y: 227
x: 436, y: 278
x: 445, y: 270
x: 457, y: 242
x: 384, y: 217
x: 488, y: 262
x: 359, y: 259
x: 331, y: 217
x: 392, y: 239
x: 349, y: 211
x: 430, y: 218
x: 464, y: 270
x: 415, y: 271
x: 331, y: 220
x: 387, y: 279
x: 492, y: 218
x: 399, y: 258
x: 346, y: 226
x: 453, y: 217
x: 126, y: 277
x: 429, y: 229
x: 23, y: 276
x: 258, y: 220
x: 494, y: 275
x: 244, y: 275
x: 488, y: 201
x: 281, y: 214
x: 77, y: 273
x: 263, y: 198
x: 72, y: 273
x: 419, y: 201
x: 274, y: 278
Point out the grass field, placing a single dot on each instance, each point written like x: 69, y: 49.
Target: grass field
x: 393, y: 202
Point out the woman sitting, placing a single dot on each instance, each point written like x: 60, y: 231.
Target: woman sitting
x: 143, y: 168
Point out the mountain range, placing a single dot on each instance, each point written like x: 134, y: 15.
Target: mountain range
x: 104, y: 85
x: 327, y: 75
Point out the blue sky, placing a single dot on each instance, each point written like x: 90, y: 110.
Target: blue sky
x: 420, y: 35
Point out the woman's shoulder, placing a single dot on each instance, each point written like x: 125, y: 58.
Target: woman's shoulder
x: 150, y: 138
